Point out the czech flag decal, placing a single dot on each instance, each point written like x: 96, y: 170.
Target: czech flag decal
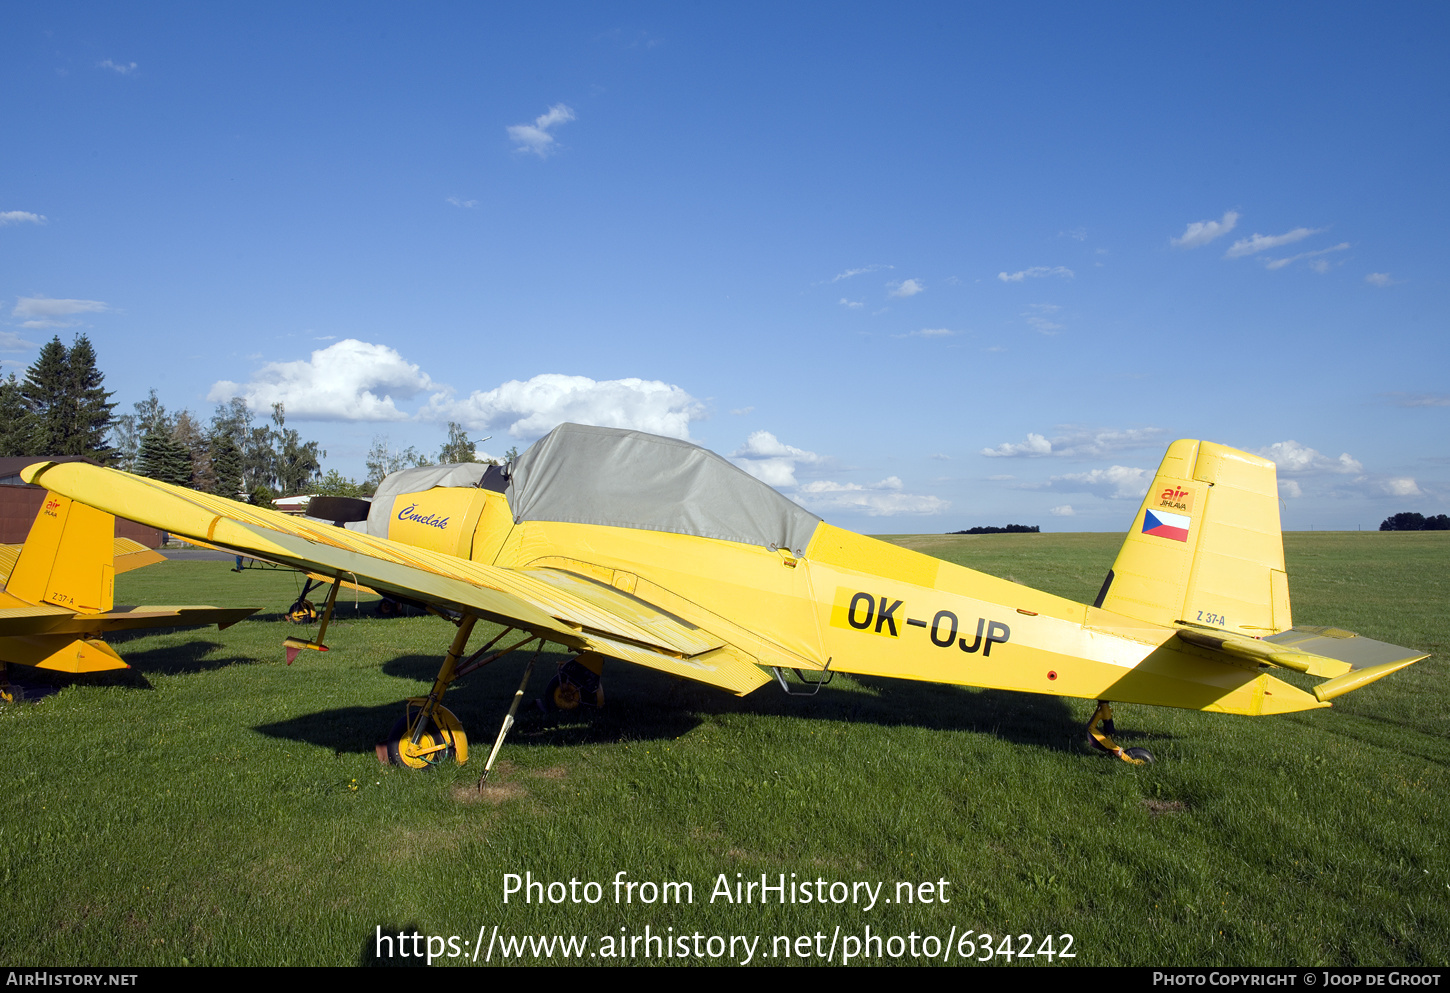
x: 1165, y: 525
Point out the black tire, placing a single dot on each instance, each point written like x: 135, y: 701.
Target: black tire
x: 1141, y: 754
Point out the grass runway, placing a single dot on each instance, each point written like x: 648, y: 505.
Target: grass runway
x: 217, y: 807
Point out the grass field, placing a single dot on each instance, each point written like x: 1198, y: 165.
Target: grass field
x: 217, y: 807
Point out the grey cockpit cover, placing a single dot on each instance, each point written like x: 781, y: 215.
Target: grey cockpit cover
x: 629, y: 479
x: 415, y: 481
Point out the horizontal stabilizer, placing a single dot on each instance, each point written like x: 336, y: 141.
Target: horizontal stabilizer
x: 1350, y: 660
x: 133, y: 555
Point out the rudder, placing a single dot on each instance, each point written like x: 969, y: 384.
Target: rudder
x: 68, y: 558
x: 1205, y: 548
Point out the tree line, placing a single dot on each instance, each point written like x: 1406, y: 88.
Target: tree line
x: 1009, y: 529
x: 61, y: 407
x: 1410, y: 521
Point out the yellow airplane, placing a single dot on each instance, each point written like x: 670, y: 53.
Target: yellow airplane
x: 617, y: 544
x: 59, y: 598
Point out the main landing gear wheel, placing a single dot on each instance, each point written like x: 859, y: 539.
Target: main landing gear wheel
x: 1099, y: 735
x: 576, y: 684
x: 302, y: 612
x: 436, y: 744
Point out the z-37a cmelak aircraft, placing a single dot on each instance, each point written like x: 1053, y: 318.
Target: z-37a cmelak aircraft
x: 59, y: 595
x: 622, y: 545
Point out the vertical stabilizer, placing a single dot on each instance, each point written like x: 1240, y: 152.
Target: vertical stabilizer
x: 68, y: 558
x: 1205, y: 548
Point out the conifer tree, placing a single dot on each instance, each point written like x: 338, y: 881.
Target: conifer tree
x: 163, y: 457
x: 70, y: 411
x: 44, y: 390
x: 91, y: 416
x: 16, y: 424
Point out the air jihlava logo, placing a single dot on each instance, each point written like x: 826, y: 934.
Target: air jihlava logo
x: 1176, y: 498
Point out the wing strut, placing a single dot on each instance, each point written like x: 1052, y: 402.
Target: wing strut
x: 508, y: 720
x: 295, y: 645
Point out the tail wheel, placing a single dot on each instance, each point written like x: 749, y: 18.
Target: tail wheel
x: 573, y: 686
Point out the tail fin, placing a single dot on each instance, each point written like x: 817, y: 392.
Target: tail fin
x: 1205, y: 548
x: 68, y: 558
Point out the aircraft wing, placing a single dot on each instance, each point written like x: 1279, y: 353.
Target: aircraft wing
x: 553, y: 604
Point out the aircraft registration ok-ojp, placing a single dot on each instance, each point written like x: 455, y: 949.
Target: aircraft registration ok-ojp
x: 58, y: 597
x: 622, y: 545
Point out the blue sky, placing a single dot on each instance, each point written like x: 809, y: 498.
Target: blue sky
x: 922, y: 267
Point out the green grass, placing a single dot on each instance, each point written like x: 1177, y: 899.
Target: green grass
x: 219, y: 807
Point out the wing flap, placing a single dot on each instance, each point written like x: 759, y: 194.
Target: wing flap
x: 649, y: 622
x: 720, y: 667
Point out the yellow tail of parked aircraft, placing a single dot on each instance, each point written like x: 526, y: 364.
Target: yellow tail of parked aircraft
x: 623, y: 545
x: 58, y: 597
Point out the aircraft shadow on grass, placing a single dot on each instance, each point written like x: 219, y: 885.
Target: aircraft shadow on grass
x: 644, y: 705
x: 172, y: 660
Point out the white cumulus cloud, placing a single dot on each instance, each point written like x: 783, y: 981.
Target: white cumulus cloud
x: 532, y: 408
x: 771, y: 461
x: 46, y: 312
x: 883, y: 499
x: 1036, y: 272
x: 775, y: 463
x: 1035, y: 444
x: 348, y: 381
x: 1063, y: 511
x: 1078, y: 443
x: 1202, y: 232
x: 20, y: 217
x: 1037, y: 316
x: 12, y: 342
x: 1117, y: 482
x: 856, y: 272
x: 1263, y: 242
x: 1296, y: 459
x: 124, y: 68
x: 536, y: 137
x: 905, y: 288
x: 1380, y: 279
x: 1397, y: 486
x: 1319, y: 266
x: 48, y: 307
